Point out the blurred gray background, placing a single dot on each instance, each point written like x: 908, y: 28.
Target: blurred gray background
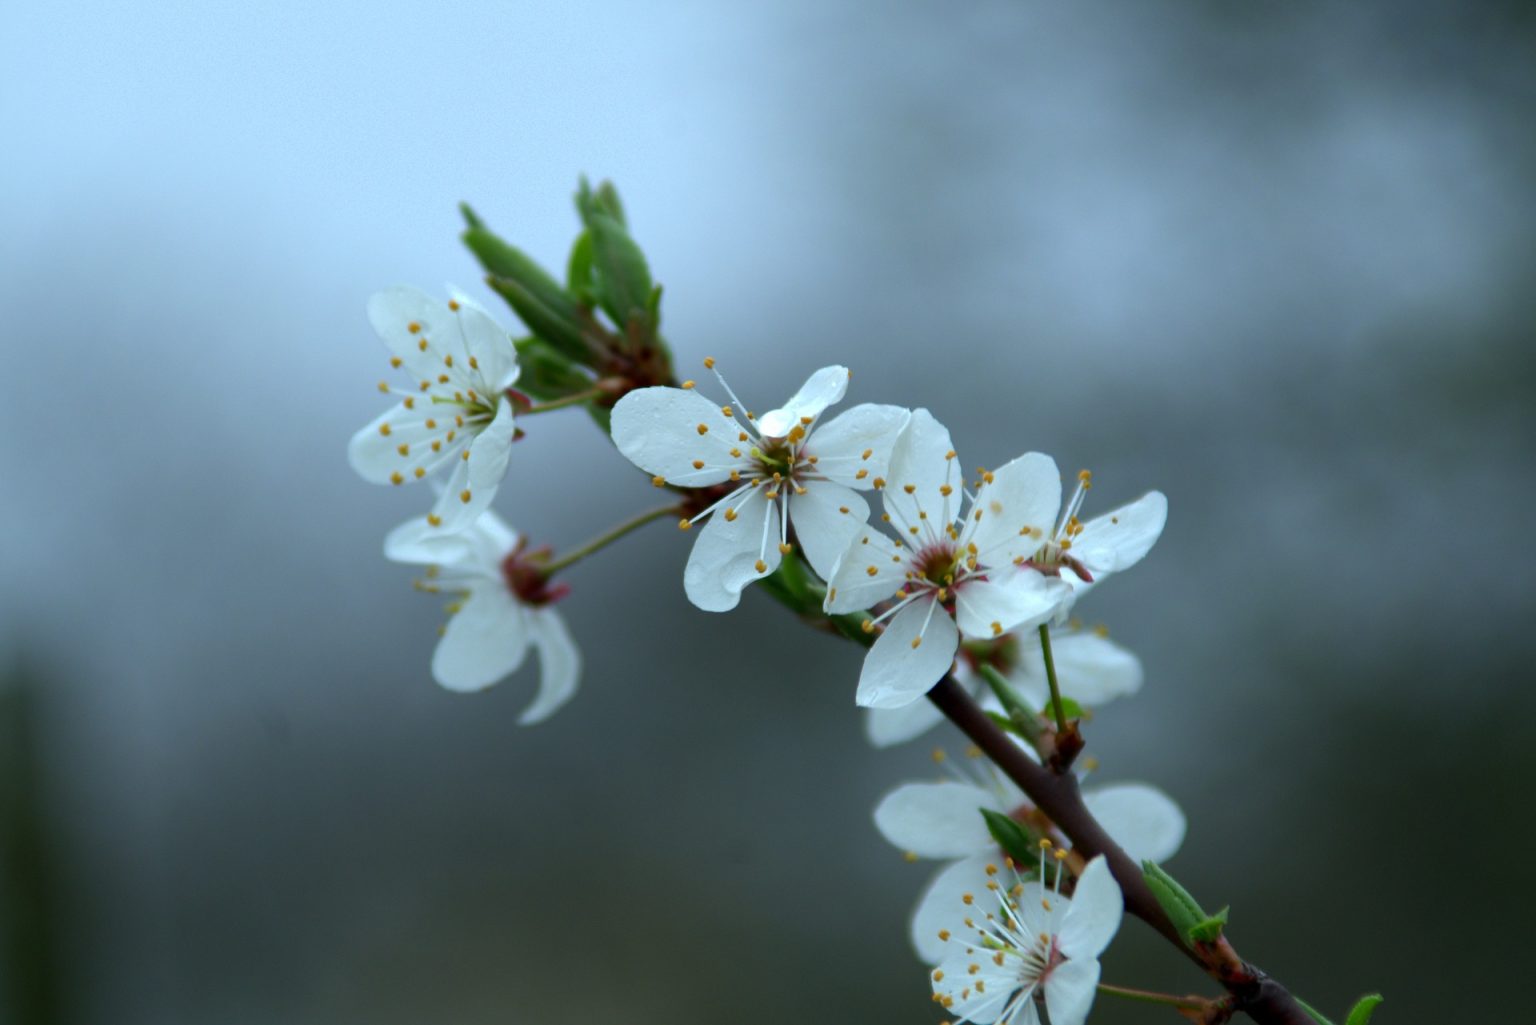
x: 1273, y: 258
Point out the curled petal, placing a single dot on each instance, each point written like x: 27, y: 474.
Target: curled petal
x: 559, y: 665
x: 485, y: 641
x: 823, y: 388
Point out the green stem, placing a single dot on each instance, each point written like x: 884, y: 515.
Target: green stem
x: 575, y: 399
x: 1147, y: 996
x: 1018, y: 713
x: 604, y: 540
x: 1050, y: 676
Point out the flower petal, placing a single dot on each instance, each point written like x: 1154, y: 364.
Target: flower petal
x: 840, y: 443
x: 1091, y: 669
x: 485, y: 641
x: 819, y: 391
x: 724, y: 558
x: 915, y: 651
x: 1011, y: 599
x: 923, y: 463
x: 826, y: 519
x: 1094, y: 915
x: 936, y: 820
x: 1140, y: 818
x: 475, y: 480
x: 887, y: 727
x: 1018, y: 509
x: 412, y: 324
x: 488, y: 343
x: 942, y: 909
x: 658, y: 429
x: 957, y: 977
x: 1118, y: 540
x: 559, y: 665
x: 1069, y: 991
x: 851, y: 587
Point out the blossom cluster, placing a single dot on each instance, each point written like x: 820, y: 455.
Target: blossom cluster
x: 951, y: 578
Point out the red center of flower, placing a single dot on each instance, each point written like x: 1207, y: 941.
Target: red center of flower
x: 525, y: 576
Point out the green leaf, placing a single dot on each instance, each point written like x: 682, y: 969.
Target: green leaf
x: 1069, y: 708
x: 1012, y: 837
x: 607, y: 197
x: 623, y: 278
x: 1209, y: 928
x: 1361, y: 1013
x: 536, y: 297
x: 578, y: 272
x: 545, y: 373
x: 471, y: 219
x: 1182, y: 909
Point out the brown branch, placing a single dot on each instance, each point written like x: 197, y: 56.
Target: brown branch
x: 1056, y: 794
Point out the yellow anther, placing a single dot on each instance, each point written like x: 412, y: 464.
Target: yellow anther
x: 442, y: 378
x: 437, y: 446
x: 997, y: 959
x: 684, y: 523
x: 901, y: 595
x: 474, y: 364
x: 709, y: 362
x: 972, y: 751
x: 813, y: 460
x: 943, y: 594
x: 1061, y: 854
x: 879, y: 483
x: 687, y: 384
x: 868, y: 626
x: 946, y: 490
x: 450, y: 436
x: 735, y: 475
x: 735, y: 453
x: 966, y: 898
x: 987, y: 477
x: 395, y: 362
x: 422, y: 345
x: 867, y: 453
x: 464, y: 496
x: 384, y: 387
x: 703, y: 428
x: 730, y: 515
x: 384, y: 429
x: 1045, y: 903
x: 760, y: 566
x: 698, y: 464
x: 1086, y: 477
x: 404, y: 450
x: 741, y: 435
x: 448, y: 360
x: 950, y: 454
x: 658, y: 482
x: 413, y: 327
x: 771, y: 495
x: 420, y: 472
x: 1045, y: 843
x: 991, y: 870
x: 972, y: 969
x: 425, y: 385
x: 997, y: 628
x: 785, y: 549
x: 939, y: 755
x: 909, y: 856
x: 453, y: 304
x: 861, y: 475
x: 464, y: 455
x: 943, y: 935
x: 909, y: 488
x: 458, y: 420
x: 410, y: 402
x: 938, y: 976
x: 434, y: 519
x: 806, y: 420
x: 872, y: 571
x: 395, y: 478
x: 917, y: 643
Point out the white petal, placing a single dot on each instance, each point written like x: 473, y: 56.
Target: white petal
x: 936, y: 820
x: 559, y: 665
x: 840, y: 443
x: 479, y: 476
x: 826, y: 519
x: 1117, y: 540
x: 1069, y: 991
x: 724, y: 558
x: 374, y: 451
x: 896, y: 673
x: 394, y: 311
x: 1094, y: 915
x: 1140, y: 818
x: 1092, y: 670
x: 657, y: 429
x: 1024, y: 497
x: 886, y: 727
x: 942, y: 908
x: 921, y: 461
x: 485, y: 641
x: 488, y: 342
x: 418, y: 542
x: 819, y: 391
x: 1012, y: 599
x: 851, y: 586
x: 982, y: 1006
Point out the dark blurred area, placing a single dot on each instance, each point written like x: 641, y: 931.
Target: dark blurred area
x: 1274, y: 259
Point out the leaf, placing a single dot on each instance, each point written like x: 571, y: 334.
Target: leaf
x: 1069, y: 708
x: 536, y: 297
x: 471, y: 219
x: 623, y: 278
x: 578, y: 271
x: 1361, y: 1013
x: 1209, y: 929
x: 1182, y: 909
x: 544, y: 373
x: 1320, y: 1019
x: 1013, y: 838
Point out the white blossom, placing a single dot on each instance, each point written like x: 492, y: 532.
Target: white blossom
x: 454, y: 415
x: 1015, y: 943
x: 502, y: 607
x: 951, y: 572
x: 943, y: 821
x: 779, y: 470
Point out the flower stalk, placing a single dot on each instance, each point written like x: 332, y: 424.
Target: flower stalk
x: 602, y: 541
